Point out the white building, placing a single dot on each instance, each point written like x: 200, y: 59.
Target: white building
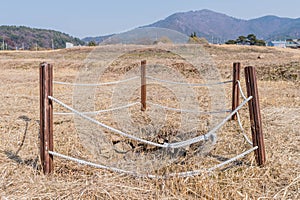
x: 69, y: 45
x: 279, y: 43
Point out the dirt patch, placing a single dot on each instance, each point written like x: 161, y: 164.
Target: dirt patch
x: 287, y: 72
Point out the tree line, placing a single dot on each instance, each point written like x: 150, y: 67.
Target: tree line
x: 247, y: 40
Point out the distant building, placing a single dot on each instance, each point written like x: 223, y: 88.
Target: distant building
x: 69, y: 45
x: 279, y: 43
x: 292, y: 43
x: 289, y: 43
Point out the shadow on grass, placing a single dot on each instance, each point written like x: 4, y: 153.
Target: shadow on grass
x: 29, y: 162
x: 230, y: 165
x: 14, y: 155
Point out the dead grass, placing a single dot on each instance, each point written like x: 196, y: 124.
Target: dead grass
x: 21, y: 178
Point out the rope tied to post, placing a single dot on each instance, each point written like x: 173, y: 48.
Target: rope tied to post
x: 47, y: 152
x: 165, y: 145
x: 188, y: 84
x: 96, y: 84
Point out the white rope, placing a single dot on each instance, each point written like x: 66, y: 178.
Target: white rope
x: 238, y: 116
x: 233, y: 159
x: 190, y: 84
x: 203, y: 137
x: 243, y: 130
x: 99, y: 111
x: 241, y: 91
x: 197, y: 172
x: 180, y: 174
x: 187, y: 111
x: 165, y: 145
x: 83, y: 162
x: 96, y: 84
x: 106, y: 126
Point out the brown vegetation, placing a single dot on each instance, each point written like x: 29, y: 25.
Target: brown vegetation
x: 20, y: 174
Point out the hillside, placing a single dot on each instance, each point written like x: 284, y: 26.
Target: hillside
x: 21, y: 37
x: 97, y: 39
x: 213, y: 25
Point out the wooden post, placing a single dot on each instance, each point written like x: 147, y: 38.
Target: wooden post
x: 46, y: 117
x: 255, y: 117
x: 143, y: 85
x: 235, y: 89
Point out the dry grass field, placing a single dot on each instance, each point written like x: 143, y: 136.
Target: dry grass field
x: 20, y: 172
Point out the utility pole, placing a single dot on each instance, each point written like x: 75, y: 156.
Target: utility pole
x: 52, y: 44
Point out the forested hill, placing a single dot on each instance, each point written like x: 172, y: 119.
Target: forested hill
x: 21, y: 37
x: 210, y: 24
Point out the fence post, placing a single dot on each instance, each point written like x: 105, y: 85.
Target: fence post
x: 255, y: 116
x: 143, y: 85
x: 235, y: 90
x: 46, y: 117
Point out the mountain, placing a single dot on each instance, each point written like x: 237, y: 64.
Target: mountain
x: 204, y: 23
x: 215, y: 27
x: 210, y: 24
x: 16, y: 37
x: 97, y: 39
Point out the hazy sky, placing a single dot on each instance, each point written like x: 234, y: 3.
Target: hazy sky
x: 96, y: 17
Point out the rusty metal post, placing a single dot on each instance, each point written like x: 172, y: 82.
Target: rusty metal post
x: 46, y: 117
x: 255, y: 116
x: 235, y: 89
x: 143, y: 85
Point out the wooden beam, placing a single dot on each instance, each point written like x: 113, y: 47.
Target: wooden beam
x: 255, y: 116
x: 46, y: 117
x: 143, y: 86
x: 235, y: 90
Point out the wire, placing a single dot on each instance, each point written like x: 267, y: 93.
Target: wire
x: 96, y: 84
x: 190, y: 84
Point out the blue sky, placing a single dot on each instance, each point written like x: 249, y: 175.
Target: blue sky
x: 96, y: 17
